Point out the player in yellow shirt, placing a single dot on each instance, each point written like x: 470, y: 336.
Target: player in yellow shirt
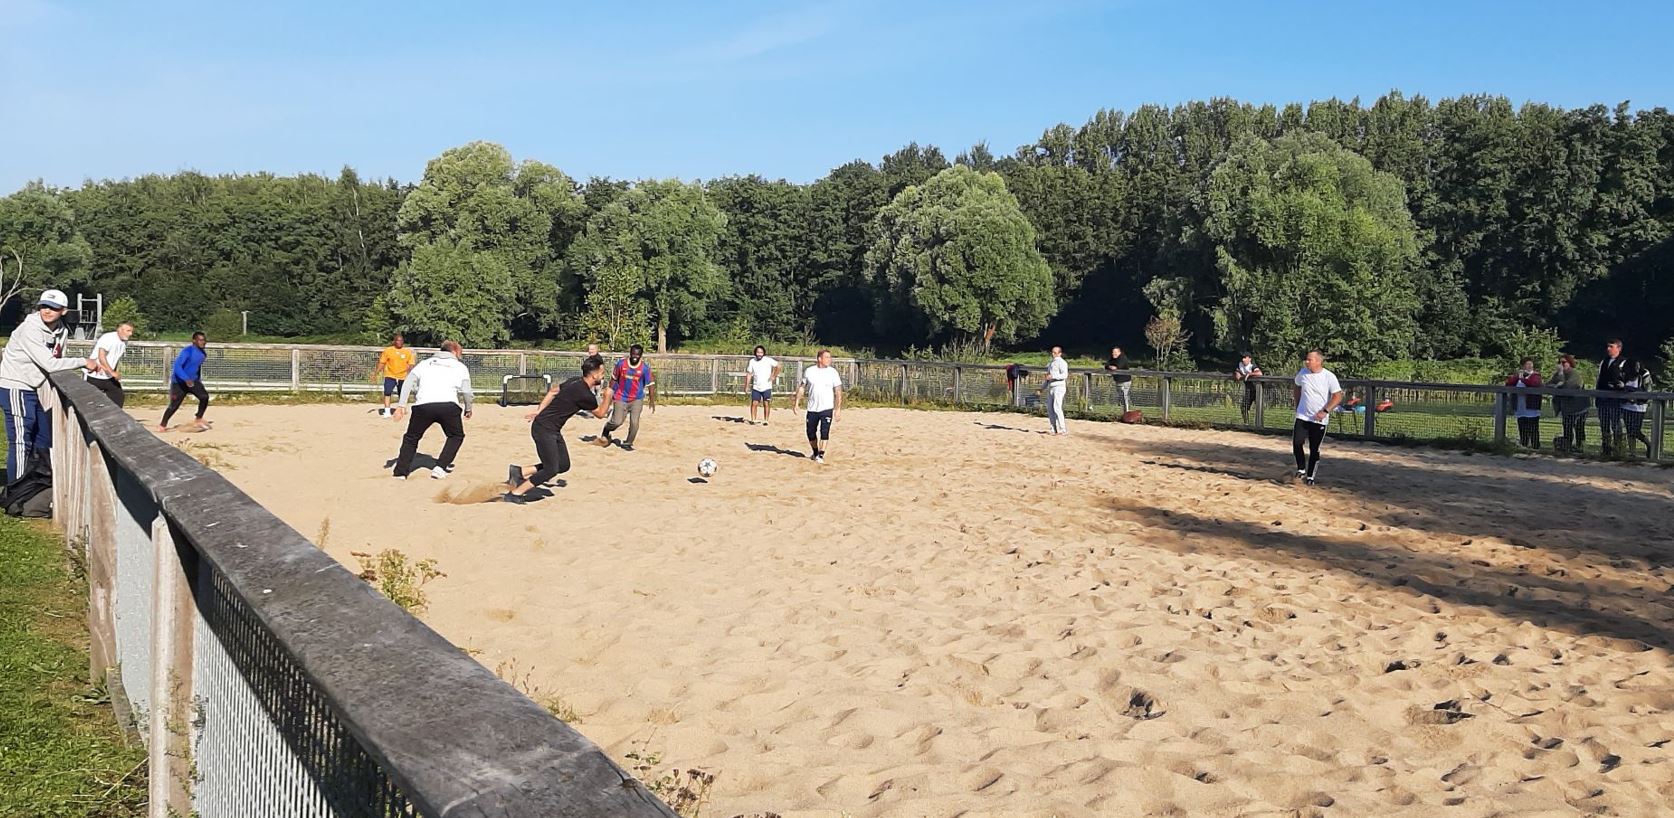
x: 394, y: 363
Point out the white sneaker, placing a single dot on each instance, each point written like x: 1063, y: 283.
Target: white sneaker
x: 438, y: 473
x: 399, y: 476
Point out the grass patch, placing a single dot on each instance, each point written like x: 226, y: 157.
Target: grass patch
x: 61, y: 750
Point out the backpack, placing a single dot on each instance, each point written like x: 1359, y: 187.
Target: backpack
x: 30, y: 495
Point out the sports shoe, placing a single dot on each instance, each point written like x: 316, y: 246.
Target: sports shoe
x: 819, y: 458
x: 1307, y: 479
x: 626, y: 447
x: 603, y: 441
x: 514, y: 499
x: 438, y: 473
x: 399, y: 476
x: 514, y: 476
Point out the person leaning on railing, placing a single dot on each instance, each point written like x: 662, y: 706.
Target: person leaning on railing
x: 24, y: 367
x: 1615, y: 374
x: 1572, y: 409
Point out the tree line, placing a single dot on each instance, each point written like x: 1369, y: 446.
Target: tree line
x: 1402, y: 229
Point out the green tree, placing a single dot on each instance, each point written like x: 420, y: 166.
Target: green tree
x: 40, y: 245
x: 764, y: 253
x: 474, y: 200
x: 649, y: 256
x: 959, y: 253
x: 449, y: 290
x: 1313, y: 247
x: 125, y: 310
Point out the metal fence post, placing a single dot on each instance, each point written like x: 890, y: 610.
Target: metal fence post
x: 1499, y: 418
x: 1260, y: 405
x: 1659, y: 418
x: 1371, y: 429
x: 1167, y: 396
x: 296, y: 369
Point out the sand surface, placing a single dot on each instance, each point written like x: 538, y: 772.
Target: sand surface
x: 958, y: 615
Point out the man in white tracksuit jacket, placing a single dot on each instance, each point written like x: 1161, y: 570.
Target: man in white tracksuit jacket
x: 435, y: 388
x: 29, y: 357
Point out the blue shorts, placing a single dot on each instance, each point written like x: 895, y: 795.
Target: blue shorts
x: 392, y: 386
x: 761, y: 395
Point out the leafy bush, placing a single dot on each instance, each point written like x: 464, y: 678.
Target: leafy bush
x: 125, y: 310
x: 224, y: 324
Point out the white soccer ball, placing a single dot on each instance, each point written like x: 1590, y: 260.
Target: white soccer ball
x: 707, y: 467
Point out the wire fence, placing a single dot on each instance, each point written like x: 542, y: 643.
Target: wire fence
x: 269, y: 682
x: 1451, y: 414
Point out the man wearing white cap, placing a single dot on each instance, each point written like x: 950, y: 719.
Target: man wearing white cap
x: 28, y: 359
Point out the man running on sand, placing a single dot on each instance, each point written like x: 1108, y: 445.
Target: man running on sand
x: 109, y: 351
x: 546, y: 425
x: 186, y: 378
x: 437, y: 388
x: 394, y: 363
x: 824, y: 388
x: 762, y: 372
x: 1317, y: 395
x: 632, y: 383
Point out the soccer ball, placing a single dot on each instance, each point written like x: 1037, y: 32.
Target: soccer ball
x: 707, y: 467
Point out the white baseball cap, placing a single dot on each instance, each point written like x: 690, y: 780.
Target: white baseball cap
x: 54, y: 299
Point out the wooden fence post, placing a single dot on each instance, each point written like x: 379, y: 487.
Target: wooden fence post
x: 904, y: 377
x: 1260, y: 405
x: 958, y: 386
x: 1499, y: 418
x: 714, y: 376
x: 1167, y: 396
x: 522, y: 363
x: 1659, y: 418
x: 296, y: 369
x: 171, y: 676
x: 1087, y: 392
x: 1371, y: 425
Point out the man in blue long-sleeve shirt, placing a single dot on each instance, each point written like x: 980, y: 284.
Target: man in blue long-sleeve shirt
x: 185, y: 379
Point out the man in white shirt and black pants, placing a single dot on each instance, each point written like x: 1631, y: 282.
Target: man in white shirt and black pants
x: 1057, y: 384
x: 1317, y: 395
x: 108, y: 351
x: 436, y: 387
x: 824, y: 388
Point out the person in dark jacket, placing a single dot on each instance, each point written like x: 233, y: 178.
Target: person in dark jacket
x: 1616, y: 373
x: 1116, y: 366
x: 1526, y: 408
x: 1571, y: 409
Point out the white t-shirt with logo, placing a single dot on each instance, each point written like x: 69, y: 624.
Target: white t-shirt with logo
x: 822, y: 384
x: 1317, y: 389
x: 761, y: 373
x: 113, y: 347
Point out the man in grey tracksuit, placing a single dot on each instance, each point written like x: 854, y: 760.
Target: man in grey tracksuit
x: 25, y: 399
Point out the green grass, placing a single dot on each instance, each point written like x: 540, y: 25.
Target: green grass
x: 61, y: 752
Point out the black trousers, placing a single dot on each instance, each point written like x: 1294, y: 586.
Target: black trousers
x: 1528, y: 432
x: 452, y: 419
x: 554, y: 455
x: 112, y: 389
x: 819, y: 425
x: 1575, y: 431
x: 178, y: 392
x: 1309, y: 434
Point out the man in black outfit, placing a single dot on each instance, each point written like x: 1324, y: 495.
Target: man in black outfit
x: 439, y: 390
x: 1614, y: 373
x: 562, y: 402
x: 1124, y: 382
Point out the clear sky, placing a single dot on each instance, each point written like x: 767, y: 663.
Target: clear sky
x: 95, y: 89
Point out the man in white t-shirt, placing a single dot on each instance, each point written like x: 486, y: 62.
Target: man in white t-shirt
x: 1057, y: 384
x: 108, y: 351
x: 1317, y: 394
x: 763, y: 372
x: 824, y: 388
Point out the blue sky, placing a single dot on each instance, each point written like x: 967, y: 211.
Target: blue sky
x: 698, y: 90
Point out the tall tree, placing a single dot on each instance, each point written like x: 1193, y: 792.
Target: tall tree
x: 959, y: 252
x: 764, y: 253
x: 40, y: 245
x: 1314, y: 248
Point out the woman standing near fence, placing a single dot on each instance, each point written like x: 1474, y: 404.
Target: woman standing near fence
x: 1526, y: 408
x: 1633, y: 411
x: 1571, y: 408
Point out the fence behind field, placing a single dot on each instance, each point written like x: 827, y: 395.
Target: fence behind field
x: 267, y: 680
x: 1421, y: 412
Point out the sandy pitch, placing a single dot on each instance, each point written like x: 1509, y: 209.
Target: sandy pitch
x: 960, y: 616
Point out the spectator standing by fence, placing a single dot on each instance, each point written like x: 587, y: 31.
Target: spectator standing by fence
x: 1526, y: 408
x: 1614, y: 372
x: 1572, y: 409
x: 1247, y: 370
x: 108, y: 351
x: 24, y: 366
x: 1116, y: 366
x: 1633, y: 411
x: 1057, y: 384
x: 186, y: 378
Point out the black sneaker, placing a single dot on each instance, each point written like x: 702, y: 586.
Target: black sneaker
x: 515, y: 499
x: 514, y: 476
x: 626, y: 447
x: 1307, y: 479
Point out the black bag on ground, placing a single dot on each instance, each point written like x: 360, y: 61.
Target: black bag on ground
x: 30, y: 495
